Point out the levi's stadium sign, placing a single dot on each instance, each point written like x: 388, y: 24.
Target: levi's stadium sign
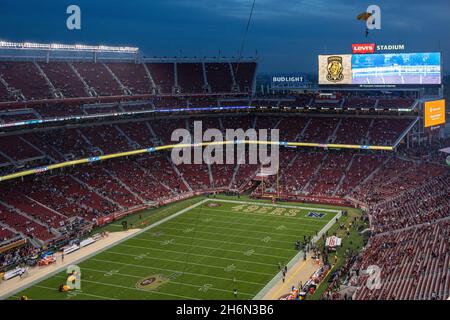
x: 363, y: 48
x: 370, y: 48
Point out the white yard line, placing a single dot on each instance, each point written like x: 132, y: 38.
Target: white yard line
x: 318, y: 220
x: 254, y: 213
x: 171, y: 281
x: 238, y: 229
x: 274, y: 205
x: 79, y: 293
x: 138, y: 289
x: 219, y: 241
x: 190, y: 263
x: 174, y: 271
x: 225, y: 250
x: 201, y: 255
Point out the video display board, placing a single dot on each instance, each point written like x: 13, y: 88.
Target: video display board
x: 434, y: 113
x: 380, y: 70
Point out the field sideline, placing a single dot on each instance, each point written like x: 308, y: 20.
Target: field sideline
x: 201, y: 253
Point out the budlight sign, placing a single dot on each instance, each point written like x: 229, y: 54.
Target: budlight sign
x: 288, y: 81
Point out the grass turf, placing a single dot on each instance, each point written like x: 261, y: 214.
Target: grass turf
x: 203, y: 253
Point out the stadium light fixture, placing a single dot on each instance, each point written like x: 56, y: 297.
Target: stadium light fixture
x: 65, y: 47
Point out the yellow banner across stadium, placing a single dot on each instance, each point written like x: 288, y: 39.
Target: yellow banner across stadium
x: 174, y: 146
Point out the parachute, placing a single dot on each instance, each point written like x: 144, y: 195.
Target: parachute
x: 364, y: 16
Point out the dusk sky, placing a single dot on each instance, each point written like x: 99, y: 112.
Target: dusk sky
x: 288, y: 35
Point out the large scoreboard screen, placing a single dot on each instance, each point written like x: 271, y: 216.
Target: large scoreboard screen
x: 380, y: 70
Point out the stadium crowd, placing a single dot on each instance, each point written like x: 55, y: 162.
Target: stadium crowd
x: 405, y: 193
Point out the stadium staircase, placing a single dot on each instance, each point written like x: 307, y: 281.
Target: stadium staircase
x: 55, y: 93
x: 344, y: 176
x: 333, y: 136
x: 293, y: 159
x: 404, y: 133
x: 302, y: 133
x: 133, y: 144
x: 235, y: 86
x: 372, y: 174
x: 89, y: 90
x: 254, y: 122
x: 33, y: 146
x: 152, y: 132
x: 306, y: 189
x: 46, y: 207
x: 16, y: 93
x: 367, y: 134
x: 211, y: 178
x: 377, y: 102
x: 155, y: 178
x: 123, y: 184
x: 233, y: 177
x: 84, y: 137
x: 277, y: 124
x: 126, y: 91
x: 8, y: 227
x: 206, y: 86
x: 51, y: 230
x: 221, y: 127
x: 35, y: 242
x: 174, y: 167
x: 94, y: 190
x: 149, y: 75
x: 4, y: 83
x: 236, y: 169
x: 4, y: 155
x: 176, y: 88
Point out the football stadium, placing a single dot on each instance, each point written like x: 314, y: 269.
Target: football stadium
x: 240, y: 176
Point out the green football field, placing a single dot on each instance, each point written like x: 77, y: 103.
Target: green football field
x: 203, y: 250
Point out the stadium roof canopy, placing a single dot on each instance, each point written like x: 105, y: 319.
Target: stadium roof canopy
x: 65, y: 47
x: 445, y: 150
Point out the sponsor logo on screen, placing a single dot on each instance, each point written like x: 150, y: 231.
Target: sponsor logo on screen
x: 335, y: 69
x: 363, y: 48
x: 434, y: 113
